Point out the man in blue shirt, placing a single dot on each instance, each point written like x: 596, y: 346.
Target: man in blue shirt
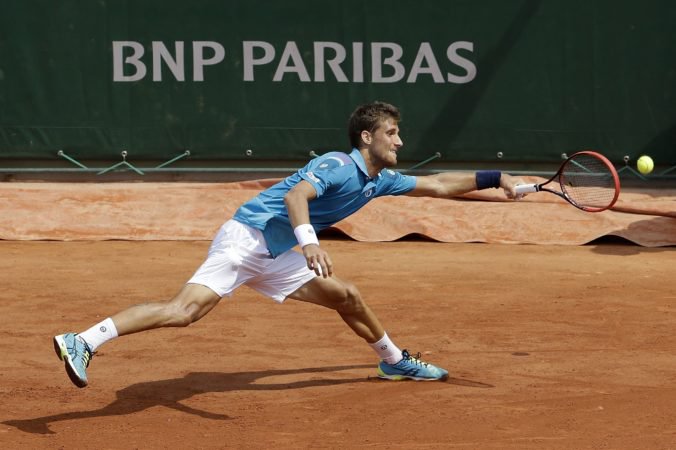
x: 255, y: 247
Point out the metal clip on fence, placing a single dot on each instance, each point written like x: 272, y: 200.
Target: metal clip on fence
x: 121, y: 163
x: 173, y: 160
x: 670, y: 169
x: 422, y: 163
x: 630, y: 169
x: 62, y: 154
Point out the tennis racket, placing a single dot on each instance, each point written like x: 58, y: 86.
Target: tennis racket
x: 586, y: 180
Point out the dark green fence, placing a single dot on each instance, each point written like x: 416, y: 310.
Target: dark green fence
x: 273, y: 80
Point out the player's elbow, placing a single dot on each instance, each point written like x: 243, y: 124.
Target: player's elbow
x: 288, y: 198
x: 430, y: 186
x: 293, y: 197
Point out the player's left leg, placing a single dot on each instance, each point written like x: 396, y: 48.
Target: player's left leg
x: 345, y: 299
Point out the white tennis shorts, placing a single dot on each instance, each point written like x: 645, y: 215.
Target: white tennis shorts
x: 238, y: 255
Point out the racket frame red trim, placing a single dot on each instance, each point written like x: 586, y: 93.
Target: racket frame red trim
x: 562, y: 194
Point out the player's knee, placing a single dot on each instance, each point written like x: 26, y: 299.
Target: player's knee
x: 180, y: 315
x: 351, y: 301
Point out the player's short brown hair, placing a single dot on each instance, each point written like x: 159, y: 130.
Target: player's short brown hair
x: 368, y: 117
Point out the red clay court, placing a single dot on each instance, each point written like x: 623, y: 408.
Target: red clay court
x: 564, y: 344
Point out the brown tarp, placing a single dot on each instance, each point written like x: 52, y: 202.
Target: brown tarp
x: 194, y: 211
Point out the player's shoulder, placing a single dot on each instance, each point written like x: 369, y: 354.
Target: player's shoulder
x: 389, y: 178
x: 333, y: 160
x: 390, y: 174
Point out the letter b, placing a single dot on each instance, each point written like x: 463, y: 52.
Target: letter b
x: 134, y: 59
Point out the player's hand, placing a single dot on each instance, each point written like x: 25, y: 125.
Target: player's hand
x: 509, y: 183
x: 318, y: 260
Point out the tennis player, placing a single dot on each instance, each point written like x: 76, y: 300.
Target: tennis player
x: 255, y: 247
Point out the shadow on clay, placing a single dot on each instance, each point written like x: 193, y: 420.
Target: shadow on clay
x: 170, y: 393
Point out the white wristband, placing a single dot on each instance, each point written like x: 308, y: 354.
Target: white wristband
x: 305, y: 234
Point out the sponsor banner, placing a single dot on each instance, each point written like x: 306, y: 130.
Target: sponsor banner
x: 489, y: 81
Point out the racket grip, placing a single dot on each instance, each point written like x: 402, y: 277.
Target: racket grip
x: 525, y: 188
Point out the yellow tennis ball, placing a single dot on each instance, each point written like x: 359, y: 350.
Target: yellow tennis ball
x: 645, y: 164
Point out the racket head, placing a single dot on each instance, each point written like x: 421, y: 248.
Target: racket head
x: 589, y: 181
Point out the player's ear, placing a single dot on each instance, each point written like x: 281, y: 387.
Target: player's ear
x: 366, y: 137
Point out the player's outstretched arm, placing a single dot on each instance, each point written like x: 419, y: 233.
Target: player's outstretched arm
x: 452, y: 184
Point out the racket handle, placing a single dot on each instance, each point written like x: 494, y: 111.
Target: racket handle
x: 526, y: 188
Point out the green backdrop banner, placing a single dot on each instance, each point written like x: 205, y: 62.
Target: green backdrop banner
x: 531, y: 79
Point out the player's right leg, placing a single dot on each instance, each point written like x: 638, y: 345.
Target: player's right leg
x: 192, y: 303
x: 219, y: 275
x: 188, y: 306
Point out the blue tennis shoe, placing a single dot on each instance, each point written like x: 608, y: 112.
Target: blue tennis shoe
x: 76, y: 354
x: 411, y: 368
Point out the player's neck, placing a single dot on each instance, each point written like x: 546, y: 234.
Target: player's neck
x: 373, y: 167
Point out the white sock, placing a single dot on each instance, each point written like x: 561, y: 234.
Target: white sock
x: 386, y: 349
x: 99, y: 334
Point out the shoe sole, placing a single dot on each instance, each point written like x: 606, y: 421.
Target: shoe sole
x: 383, y: 376
x: 61, y: 350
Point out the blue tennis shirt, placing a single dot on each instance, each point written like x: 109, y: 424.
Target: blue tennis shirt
x: 343, y: 186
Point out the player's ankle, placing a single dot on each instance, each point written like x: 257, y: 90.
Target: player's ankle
x: 386, y: 350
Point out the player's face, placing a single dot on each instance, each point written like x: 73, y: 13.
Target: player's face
x: 384, y: 143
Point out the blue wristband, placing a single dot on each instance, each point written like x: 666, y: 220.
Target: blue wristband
x: 488, y: 179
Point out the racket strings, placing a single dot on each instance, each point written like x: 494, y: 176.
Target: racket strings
x: 588, y: 181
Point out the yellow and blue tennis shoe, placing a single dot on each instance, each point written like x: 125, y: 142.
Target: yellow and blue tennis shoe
x: 76, y: 354
x: 411, y: 368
